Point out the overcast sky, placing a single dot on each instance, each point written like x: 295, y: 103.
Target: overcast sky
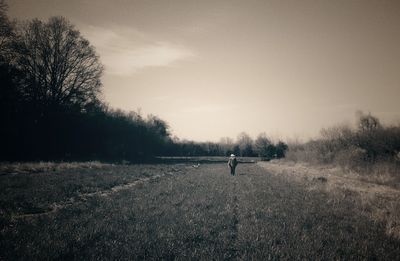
x: 216, y: 68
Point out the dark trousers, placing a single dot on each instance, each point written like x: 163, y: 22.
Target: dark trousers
x: 232, y: 170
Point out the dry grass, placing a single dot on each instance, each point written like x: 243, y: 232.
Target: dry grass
x: 376, y: 195
x: 383, y: 173
x: 25, y: 190
x: 181, y: 212
x: 36, y: 167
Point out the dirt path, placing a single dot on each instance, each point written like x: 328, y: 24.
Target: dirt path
x: 207, y: 214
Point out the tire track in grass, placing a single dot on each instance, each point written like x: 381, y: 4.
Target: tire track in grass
x: 232, y: 249
x: 249, y: 208
x: 82, y: 197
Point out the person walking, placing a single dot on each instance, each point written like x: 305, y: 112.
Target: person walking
x: 232, y: 163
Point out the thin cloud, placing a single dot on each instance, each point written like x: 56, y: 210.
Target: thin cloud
x: 125, y: 51
x: 211, y: 108
x: 162, y: 98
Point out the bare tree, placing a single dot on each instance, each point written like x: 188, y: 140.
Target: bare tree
x: 226, y: 144
x: 6, y: 31
x: 367, y: 122
x: 60, y: 67
x: 245, y: 143
x: 262, y: 144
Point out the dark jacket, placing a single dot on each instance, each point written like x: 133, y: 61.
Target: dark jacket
x: 232, y: 162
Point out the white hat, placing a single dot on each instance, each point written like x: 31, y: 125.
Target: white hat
x: 232, y: 155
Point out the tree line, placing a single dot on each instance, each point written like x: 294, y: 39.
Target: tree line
x: 243, y: 146
x: 51, y: 105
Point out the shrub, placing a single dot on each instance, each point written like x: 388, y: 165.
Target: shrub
x: 359, y: 149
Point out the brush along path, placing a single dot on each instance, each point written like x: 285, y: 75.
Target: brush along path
x: 202, y: 214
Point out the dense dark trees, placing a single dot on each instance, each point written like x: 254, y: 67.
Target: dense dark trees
x: 50, y: 106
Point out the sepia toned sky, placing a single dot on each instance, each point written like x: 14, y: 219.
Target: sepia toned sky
x: 215, y: 68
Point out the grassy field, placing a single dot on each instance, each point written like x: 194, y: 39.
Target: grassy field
x: 376, y: 196
x: 182, y: 211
